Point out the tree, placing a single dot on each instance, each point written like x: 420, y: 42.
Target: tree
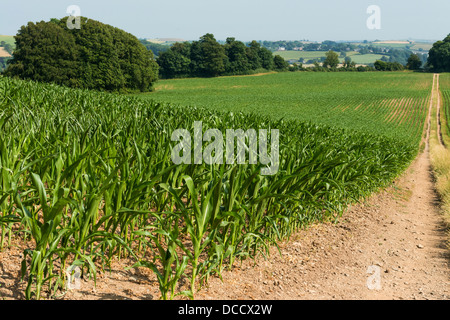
x: 176, y: 62
x: 381, y: 65
x: 173, y: 64
x: 348, y: 63
x: 253, y: 55
x: 208, y: 57
x: 279, y: 63
x: 395, y: 66
x: 388, y: 66
x: 331, y: 60
x: 45, y: 52
x: 266, y: 57
x: 236, y: 52
x: 414, y: 62
x: 97, y: 56
x: 439, y: 56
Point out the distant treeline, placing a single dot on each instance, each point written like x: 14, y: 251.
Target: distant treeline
x: 439, y: 59
x: 399, y: 55
x: 208, y: 58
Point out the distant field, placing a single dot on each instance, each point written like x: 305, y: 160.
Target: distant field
x: 4, y: 53
x: 423, y: 46
x: 307, y: 55
x: 366, y: 58
x: 426, y: 46
x: 385, y: 44
x: 310, y: 55
x: 166, y: 41
x: 377, y: 102
x: 8, y: 39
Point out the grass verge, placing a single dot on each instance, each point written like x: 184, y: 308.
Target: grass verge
x: 440, y: 161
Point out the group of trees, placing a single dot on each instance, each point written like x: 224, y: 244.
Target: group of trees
x: 208, y: 58
x: 96, y: 56
x: 439, y: 56
x: 388, y: 66
x: 414, y: 62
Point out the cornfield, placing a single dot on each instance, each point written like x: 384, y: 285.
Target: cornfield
x: 87, y: 177
x: 445, y: 91
x: 394, y: 104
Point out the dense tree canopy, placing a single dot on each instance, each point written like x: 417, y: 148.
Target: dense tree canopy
x: 388, y: 66
x: 439, y: 56
x: 208, y: 58
x: 414, y: 62
x: 279, y: 63
x: 96, y: 56
x: 236, y: 52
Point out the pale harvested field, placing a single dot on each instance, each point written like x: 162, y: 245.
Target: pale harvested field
x: 4, y: 53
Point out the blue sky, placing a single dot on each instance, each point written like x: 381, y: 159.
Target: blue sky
x: 246, y: 19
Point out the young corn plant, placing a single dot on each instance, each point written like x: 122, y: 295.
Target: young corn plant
x: 165, y: 236
x: 44, y: 223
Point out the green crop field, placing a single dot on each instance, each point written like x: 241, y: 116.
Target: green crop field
x: 8, y: 39
x: 87, y: 177
x: 444, y: 81
x: 362, y: 101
